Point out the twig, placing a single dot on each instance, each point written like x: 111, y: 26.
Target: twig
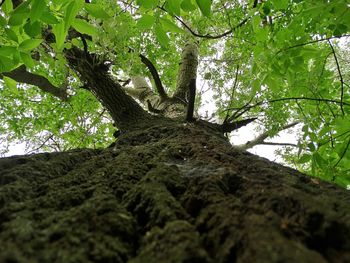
x: 340, y: 76
x: 285, y: 99
x: 279, y: 144
x: 208, y: 36
x: 343, y: 154
x: 311, y: 42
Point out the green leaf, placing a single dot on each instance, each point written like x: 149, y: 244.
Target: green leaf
x: 147, y: 4
x: 10, y: 83
x: 29, y: 44
x: 84, y: 27
x: 304, y: 158
x: 146, y: 22
x: 173, y: 6
x: 319, y: 160
x: 60, y: 34
x: 11, y: 34
x: 161, y: 36
x: 72, y: 11
x: 8, y: 51
x: 204, y: 6
x: 32, y: 29
x: 169, y: 26
x: 17, y: 19
x: 280, y: 4
x: 7, y: 7
x: 96, y: 11
x: 6, y: 64
x: 27, y: 60
x: 3, y: 21
x: 187, y: 5
x: 38, y: 6
x: 48, y: 17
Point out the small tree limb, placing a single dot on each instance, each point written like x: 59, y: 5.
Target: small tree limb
x: 262, y: 137
x: 191, y: 100
x: 155, y: 75
x: 340, y: 76
x: 21, y: 74
x: 231, y: 126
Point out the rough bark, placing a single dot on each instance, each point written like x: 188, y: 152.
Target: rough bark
x: 173, y: 192
x: 92, y: 71
x: 187, y: 70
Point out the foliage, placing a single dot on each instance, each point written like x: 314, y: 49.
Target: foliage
x: 278, y: 60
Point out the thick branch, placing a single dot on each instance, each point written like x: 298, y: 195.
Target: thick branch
x: 187, y: 70
x: 155, y: 75
x: 125, y: 111
x: 231, y: 126
x: 21, y: 74
x: 262, y: 137
x: 191, y: 100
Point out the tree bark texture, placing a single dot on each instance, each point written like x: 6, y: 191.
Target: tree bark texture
x: 171, y: 192
x: 124, y: 110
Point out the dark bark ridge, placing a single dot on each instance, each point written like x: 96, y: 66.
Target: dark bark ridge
x: 169, y: 193
x: 92, y: 71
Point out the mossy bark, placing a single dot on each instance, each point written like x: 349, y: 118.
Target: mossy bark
x: 171, y: 192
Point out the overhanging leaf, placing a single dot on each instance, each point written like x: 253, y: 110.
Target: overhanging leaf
x: 146, y: 22
x: 27, y: 60
x: 147, y: 4
x: 84, y: 27
x: 60, y: 34
x: 162, y: 37
x: 169, y: 26
x: 204, y: 6
x: 29, y: 44
x: 8, y: 51
x: 7, y: 7
x: 38, y: 6
x: 187, y: 5
x: 96, y: 11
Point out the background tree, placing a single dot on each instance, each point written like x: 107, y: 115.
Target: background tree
x: 172, y: 189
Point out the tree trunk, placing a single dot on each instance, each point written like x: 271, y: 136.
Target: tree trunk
x: 173, y: 192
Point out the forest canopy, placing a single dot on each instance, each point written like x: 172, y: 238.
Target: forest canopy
x: 276, y: 63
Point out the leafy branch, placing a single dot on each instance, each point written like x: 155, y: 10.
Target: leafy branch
x: 21, y: 74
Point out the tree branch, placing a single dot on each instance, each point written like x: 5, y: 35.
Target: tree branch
x: 191, y: 100
x: 187, y: 70
x: 260, y: 139
x: 311, y: 42
x: 231, y: 126
x: 155, y: 75
x: 340, y: 76
x: 21, y: 74
x: 124, y: 110
x: 248, y: 107
x: 208, y: 36
x: 279, y: 144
